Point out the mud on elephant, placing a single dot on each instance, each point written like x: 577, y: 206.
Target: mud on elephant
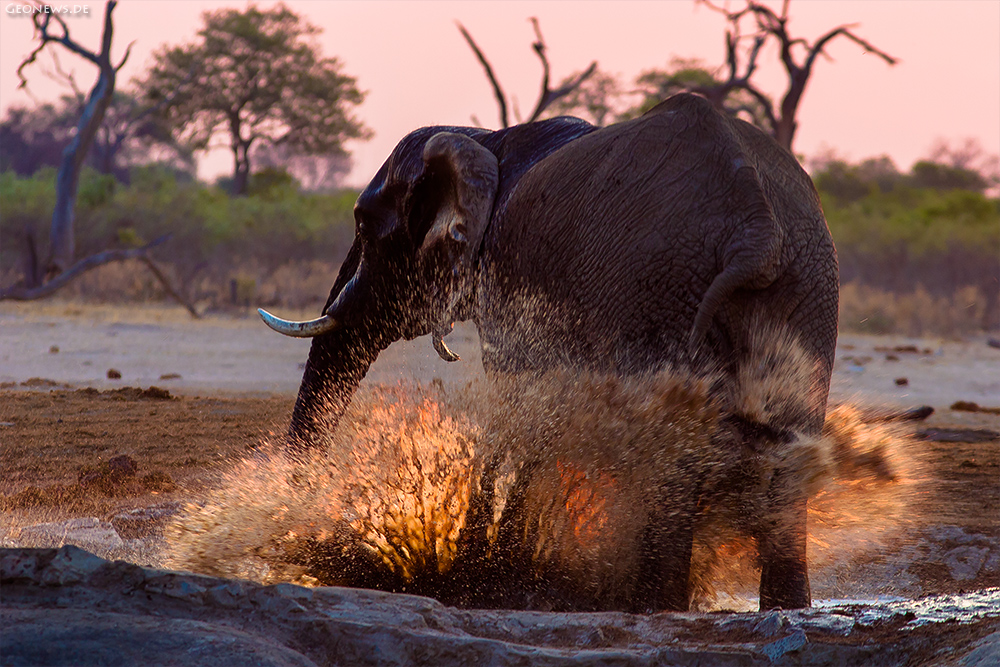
x: 662, y: 241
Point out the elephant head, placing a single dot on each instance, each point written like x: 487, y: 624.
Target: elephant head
x: 419, y: 225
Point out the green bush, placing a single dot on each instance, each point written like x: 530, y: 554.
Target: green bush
x: 922, y: 220
x: 907, y: 238
x: 24, y: 201
x: 210, y: 231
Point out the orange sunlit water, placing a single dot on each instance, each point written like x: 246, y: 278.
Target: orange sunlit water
x: 398, y: 478
x: 587, y: 497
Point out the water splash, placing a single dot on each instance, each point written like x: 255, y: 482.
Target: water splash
x: 387, y: 504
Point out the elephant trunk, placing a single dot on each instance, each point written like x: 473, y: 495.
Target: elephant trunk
x: 337, y: 363
x: 340, y: 357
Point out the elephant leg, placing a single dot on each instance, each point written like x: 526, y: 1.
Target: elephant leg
x: 780, y: 528
x: 665, y: 557
x: 515, y: 542
x: 781, y: 541
x: 497, y: 575
x: 473, y: 578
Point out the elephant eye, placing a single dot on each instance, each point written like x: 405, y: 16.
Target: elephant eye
x: 365, y: 228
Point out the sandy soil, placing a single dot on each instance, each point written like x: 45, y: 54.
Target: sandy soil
x: 230, y: 385
x: 237, y: 355
x: 219, y: 354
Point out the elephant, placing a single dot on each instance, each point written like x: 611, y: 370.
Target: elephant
x: 661, y: 240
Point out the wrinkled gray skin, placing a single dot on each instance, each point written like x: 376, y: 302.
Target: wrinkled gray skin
x: 651, y: 241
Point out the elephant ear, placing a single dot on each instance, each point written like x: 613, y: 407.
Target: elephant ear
x: 455, y: 196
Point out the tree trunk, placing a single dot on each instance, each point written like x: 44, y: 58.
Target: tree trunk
x: 241, y: 155
x: 62, y: 237
x: 241, y: 169
x: 784, y: 132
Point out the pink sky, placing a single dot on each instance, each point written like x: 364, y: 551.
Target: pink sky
x: 418, y: 71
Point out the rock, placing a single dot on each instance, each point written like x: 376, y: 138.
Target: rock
x: 64, y: 636
x: 147, y: 552
x: 972, y: 406
x: 54, y: 349
x: 114, y: 374
x: 88, y: 533
x: 61, y: 605
x: 958, y: 434
x: 145, y: 521
x: 992, y: 563
x: 986, y: 652
x: 965, y: 562
x: 955, y: 534
x: 902, y: 382
x: 771, y: 624
x: 793, y: 641
x: 109, y: 474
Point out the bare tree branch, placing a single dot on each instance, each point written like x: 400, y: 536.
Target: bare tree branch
x: 497, y: 90
x: 26, y: 293
x: 765, y: 103
x: 151, y: 265
x: 844, y: 30
x: 547, y: 95
x: 41, y: 22
x: 67, y: 78
x: 539, y: 47
x: 128, y: 52
x: 770, y: 24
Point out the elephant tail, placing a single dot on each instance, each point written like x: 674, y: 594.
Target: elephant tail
x: 751, y: 255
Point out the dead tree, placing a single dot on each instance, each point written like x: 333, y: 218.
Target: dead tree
x: 61, y: 238
x: 60, y: 269
x: 769, y: 25
x: 125, y: 119
x: 546, y: 96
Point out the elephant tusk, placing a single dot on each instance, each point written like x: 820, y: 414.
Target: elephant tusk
x: 440, y: 347
x: 443, y: 351
x: 307, y: 329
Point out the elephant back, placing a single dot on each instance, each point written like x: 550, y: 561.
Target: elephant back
x: 606, y: 249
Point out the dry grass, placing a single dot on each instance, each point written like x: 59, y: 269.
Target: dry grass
x: 869, y: 310
x: 306, y: 284
x: 295, y: 284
